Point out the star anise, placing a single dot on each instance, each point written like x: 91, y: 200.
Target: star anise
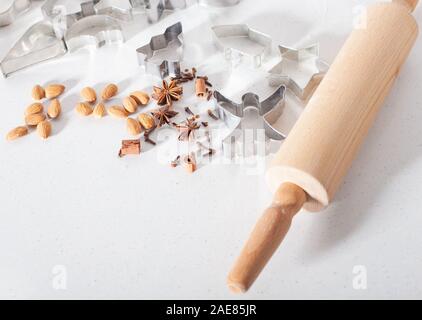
x: 168, y: 93
x: 163, y: 115
x: 187, y: 129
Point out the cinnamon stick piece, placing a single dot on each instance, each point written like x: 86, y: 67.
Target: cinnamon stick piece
x: 200, y: 87
x: 130, y: 147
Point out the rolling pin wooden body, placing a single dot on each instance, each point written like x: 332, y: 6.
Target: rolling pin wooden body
x: 312, y: 162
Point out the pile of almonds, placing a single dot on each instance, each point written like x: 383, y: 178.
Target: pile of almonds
x: 35, y: 115
x: 129, y: 106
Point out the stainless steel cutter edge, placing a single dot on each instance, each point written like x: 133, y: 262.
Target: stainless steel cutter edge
x: 219, y: 3
x: 270, y: 109
x: 18, y: 7
x: 165, y: 67
x: 16, y: 59
x: 241, y: 30
x: 311, y: 53
x: 112, y: 30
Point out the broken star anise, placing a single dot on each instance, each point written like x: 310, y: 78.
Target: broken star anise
x: 163, y: 115
x: 187, y: 129
x: 168, y: 93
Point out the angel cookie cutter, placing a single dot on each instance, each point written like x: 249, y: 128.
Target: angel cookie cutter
x: 245, y: 140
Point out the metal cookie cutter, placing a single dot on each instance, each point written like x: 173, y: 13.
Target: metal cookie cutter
x: 38, y: 44
x: 122, y: 10
x: 170, y: 66
x: 219, y: 3
x: 98, y: 22
x: 155, y: 8
x: 17, y: 8
x: 238, y: 42
x: 97, y: 30
x: 300, y: 70
x: 247, y: 140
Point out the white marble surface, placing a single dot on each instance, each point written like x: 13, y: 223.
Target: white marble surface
x: 135, y: 228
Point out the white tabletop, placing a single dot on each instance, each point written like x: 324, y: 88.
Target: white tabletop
x: 79, y: 222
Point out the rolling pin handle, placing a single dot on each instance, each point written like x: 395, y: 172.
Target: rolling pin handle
x: 411, y: 4
x: 266, y: 237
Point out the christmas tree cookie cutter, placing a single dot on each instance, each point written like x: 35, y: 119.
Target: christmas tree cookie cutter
x: 239, y: 42
x: 301, y: 70
x: 149, y: 54
x: 14, y: 11
x: 246, y: 140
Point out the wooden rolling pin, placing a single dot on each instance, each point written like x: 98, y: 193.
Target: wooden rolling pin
x: 315, y: 157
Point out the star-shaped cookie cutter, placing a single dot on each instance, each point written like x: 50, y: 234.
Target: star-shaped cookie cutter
x: 170, y: 66
x: 301, y: 70
x: 16, y: 9
x: 242, y: 139
x: 231, y: 40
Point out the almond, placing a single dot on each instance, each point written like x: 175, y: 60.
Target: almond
x: 118, y: 112
x: 141, y: 98
x: 54, y: 90
x: 109, y: 91
x: 34, y: 108
x: 54, y: 109
x: 34, y: 119
x: 99, y: 110
x: 83, y: 108
x: 147, y: 121
x: 130, y: 104
x: 88, y: 94
x: 38, y: 92
x: 17, y: 133
x: 133, y: 127
x: 44, y: 129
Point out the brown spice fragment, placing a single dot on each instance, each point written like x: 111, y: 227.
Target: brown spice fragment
x: 147, y: 134
x: 212, y: 115
x: 200, y: 88
x: 149, y: 140
x: 130, y: 147
x: 209, y: 151
x: 209, y: 96
x: 189, y: 111
x: 175, y: 162
x: 190, y: 163
x: 185, y: 76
